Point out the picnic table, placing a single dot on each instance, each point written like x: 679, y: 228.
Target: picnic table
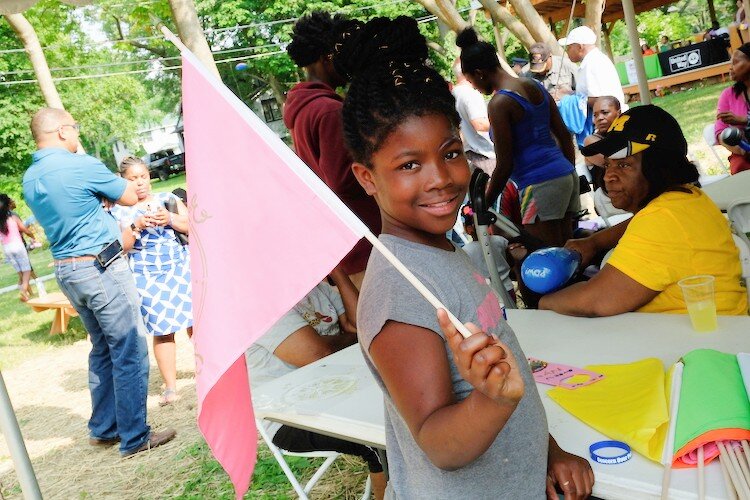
x: 338, y: 397
x: 58, y: 302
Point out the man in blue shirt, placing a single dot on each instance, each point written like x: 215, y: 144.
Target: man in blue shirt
x: 66, y: 191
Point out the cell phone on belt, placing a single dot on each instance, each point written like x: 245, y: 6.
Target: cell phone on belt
x: 109, y: 254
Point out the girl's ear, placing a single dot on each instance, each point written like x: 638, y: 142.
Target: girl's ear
x: 364, y: 177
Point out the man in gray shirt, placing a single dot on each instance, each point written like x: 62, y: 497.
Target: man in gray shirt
x: 556, y: 73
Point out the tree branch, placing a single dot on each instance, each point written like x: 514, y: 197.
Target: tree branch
x: 159, y: 51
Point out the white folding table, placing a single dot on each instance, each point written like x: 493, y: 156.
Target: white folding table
x: 337, y: 395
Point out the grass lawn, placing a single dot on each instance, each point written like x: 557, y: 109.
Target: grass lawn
x: 24, y: 333
x: 174, y: 182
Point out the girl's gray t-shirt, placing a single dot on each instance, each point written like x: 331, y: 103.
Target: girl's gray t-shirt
x: 515, y: 465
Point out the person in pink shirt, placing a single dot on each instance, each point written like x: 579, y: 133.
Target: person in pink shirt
x: 734, y: 108
x: 11, y: 228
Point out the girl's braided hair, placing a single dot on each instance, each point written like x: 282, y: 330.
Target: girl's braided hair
x: 314, y: 36
x: 391, y: 81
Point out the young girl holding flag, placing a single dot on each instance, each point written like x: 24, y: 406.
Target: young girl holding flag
x: 463, y: 417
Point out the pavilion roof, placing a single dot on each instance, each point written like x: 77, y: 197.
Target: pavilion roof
x: 558, y: 10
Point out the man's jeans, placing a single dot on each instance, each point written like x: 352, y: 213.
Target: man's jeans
x: 109, y: 306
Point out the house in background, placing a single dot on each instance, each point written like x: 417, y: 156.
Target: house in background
x: 267, y: 108
x: 153, y: 137
x: 169, y: 134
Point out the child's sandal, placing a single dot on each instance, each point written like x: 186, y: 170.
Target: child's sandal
x: 168, y: 397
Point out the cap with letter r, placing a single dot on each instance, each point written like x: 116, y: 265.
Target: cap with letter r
x: 638, y: 129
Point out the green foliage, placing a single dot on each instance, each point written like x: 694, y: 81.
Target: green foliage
x: 107, y: 108
x: 678, y: 21
x: 203, y: 476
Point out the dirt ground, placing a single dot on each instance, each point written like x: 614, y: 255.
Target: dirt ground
x: 51, y: 401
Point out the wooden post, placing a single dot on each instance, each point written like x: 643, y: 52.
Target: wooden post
x: 640, y: 69
x: 593, y: 17
x: 607, y: 31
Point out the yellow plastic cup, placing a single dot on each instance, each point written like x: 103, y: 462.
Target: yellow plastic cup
x: 698, y: 292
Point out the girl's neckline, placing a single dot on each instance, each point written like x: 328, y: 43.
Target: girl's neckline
x: 416, y: 244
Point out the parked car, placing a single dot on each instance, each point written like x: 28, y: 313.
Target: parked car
x: 165, y: 162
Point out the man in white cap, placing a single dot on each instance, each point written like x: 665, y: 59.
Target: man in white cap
x: 596, y: 75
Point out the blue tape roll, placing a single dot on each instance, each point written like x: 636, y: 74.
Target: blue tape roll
x: 624, y: 457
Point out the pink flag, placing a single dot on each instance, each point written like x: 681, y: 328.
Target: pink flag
x: 264, y: 231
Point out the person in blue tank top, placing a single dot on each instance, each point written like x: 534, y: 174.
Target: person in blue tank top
x: 532, y: 145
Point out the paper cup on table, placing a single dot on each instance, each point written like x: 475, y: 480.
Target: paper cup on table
x: 698, y: 292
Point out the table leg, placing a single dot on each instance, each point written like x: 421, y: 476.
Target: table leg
x: 59, y: 323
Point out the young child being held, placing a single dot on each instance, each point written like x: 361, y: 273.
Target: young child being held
x: 463, y: 416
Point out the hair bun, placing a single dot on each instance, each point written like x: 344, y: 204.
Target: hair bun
x: 467, y: 38
x: 377, y: 44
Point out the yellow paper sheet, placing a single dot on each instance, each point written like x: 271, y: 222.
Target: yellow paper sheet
x: 628, y: 405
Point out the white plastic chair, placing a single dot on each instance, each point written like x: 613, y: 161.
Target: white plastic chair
x: 279, y: 454
x: 738, y: 213
x: 729, y: 190
x: 743, y: 245
x: 710, y: 138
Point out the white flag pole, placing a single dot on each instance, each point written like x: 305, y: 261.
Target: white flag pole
x: 674, y: 405
x: 429, y: 296
x: 12, y: 433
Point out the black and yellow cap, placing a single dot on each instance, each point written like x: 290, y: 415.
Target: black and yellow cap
x: 638, y: 129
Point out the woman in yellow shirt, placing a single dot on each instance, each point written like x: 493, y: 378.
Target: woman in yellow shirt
x: 677, y: 231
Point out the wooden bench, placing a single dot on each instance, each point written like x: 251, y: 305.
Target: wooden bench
x: 60, y: 304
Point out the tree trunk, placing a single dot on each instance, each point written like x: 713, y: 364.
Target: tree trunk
x: 503, y: 16
x: 433, y: 9
x: 535, y: 24
x: 500, y: 44
x: 453, y: 18
x: 593, y: 20
x: 191, y: 33
x: 712, y: 12
x: 27, y: 35
x: 277, y: 89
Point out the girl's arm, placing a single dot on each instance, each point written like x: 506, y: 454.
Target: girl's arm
x: 349, y: 296
x: 564, y: 138
x: 570, y: 472
x: 22, y: 227
x: 501, y: 118
x: 412, y: 362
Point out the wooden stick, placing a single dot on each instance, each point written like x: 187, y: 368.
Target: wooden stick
x: 746, y: 448
x: 737, y: 456
x: 727, y: 481
x: 743, y: 491
x: 701, y: 474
